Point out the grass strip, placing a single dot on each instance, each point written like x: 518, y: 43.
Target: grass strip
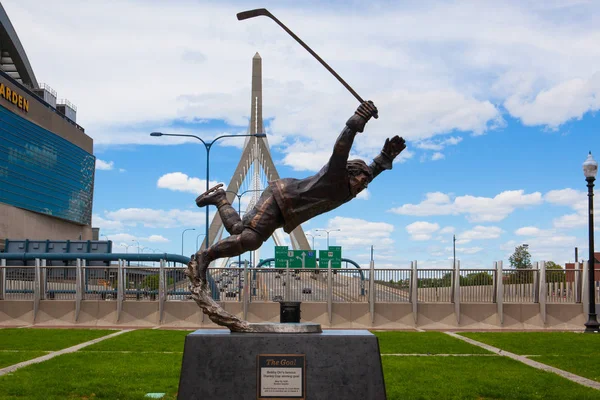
x: 144, y: 340
x: 47, y: 339
x: 14, y: 357
x: 475, y: 378
x: 586, y: 366
x: 538, y: 343
x: 84, y: 375
x: 396, y: 342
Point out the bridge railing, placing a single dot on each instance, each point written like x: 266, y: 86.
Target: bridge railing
x: 157, y: 278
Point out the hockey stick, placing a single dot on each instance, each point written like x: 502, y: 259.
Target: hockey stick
x: 264, y: 12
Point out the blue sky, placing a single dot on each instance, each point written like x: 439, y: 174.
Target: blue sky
x: 498, y: 104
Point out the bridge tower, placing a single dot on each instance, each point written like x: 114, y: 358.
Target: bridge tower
x: 253, y: 172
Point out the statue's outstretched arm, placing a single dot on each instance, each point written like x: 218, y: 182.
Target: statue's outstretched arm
x: 356, y: 123
x: 385, y: 159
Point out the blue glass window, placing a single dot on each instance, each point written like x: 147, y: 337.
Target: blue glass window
x: 42, y: 172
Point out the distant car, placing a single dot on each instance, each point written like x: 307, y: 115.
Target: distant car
x: 277, y: 276
x: 277, y: 298
x: 297, y: 278
x: 307, y: 290
x: 230, y: 294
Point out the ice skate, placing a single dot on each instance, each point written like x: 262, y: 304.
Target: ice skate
x: 211, y: 197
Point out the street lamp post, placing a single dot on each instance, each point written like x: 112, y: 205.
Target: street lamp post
x: 184, y: 231
x: 590, y: 169
x: 207, y: 146
x: 200, y: 234
x: 327, y: 230
x: 138, y: 247
x: 313, y: 239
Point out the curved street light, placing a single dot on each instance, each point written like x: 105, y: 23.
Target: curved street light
x: 327, y: 230
x: 184, y: 231
x: 313, y: 239
x: 207, y: 146
x: 590, y: 169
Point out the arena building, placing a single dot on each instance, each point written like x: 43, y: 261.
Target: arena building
x: 46, y: 159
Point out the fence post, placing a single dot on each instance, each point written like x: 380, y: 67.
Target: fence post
x: 78, y: 286
x: 120, y: 288
x: 536, y: 283
x: 577, y: 282
x: 495, y: 284
x: 499, y: 291
x: 43, y: 280
x: 84, y: 277
x: 585, y: 294
x: 3, y: 279
x: 162, y: 282
x: 414, y: 289
x: 246, y: 289
x: 329, y: 292
x: 456, y: 291
x: 36, y: 288
x: 543, y: 292
x: 372, y: 290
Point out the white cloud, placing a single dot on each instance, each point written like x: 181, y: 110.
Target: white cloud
x: 364, y: 195
x: 555, y: 106
x: 421, y: 230
x: 438, y: 145
x: 104, y: 165
x: 157, y: 239
x: 105, y: 224
x: 152, y: 218
x: 533, y: 231
x: 180, y: 182
x: 574, y: 199
x: 477, y: 209
x: 356, y: 233
x: 479, y: 232
x: 437, y: 156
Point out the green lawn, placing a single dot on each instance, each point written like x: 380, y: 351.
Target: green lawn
x: 14, y: 357
x: 149, y: 361
x: 541, y: 343
x: 475, y: 378
x: 395, y: 342
x: 47, y: 339
x: 577, y: 353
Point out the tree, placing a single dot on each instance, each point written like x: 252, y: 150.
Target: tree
x: 553, y: 275
x: 521, y: 259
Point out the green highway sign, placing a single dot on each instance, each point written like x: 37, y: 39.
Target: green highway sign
x: 334, y: 254
x: 296, y: 259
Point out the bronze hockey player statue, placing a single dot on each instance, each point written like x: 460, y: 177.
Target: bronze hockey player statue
x: 286, y: 203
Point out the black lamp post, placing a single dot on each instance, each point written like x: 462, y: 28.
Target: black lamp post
x: 590, y: 169
x: 207, y: 146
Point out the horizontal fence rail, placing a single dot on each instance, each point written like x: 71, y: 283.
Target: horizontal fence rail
x: 161, y: 277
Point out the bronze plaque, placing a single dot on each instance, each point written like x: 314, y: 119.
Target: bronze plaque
x: 281, y: 376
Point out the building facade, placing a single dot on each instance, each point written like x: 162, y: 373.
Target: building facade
x: 46, y: 159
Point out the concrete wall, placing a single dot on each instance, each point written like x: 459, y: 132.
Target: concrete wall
x: 18, y: 224
x: 186, y: 314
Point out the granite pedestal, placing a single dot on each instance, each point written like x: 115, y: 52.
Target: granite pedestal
x: 340, y: 364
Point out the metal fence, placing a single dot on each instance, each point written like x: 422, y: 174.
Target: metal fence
x: 145, y: 283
